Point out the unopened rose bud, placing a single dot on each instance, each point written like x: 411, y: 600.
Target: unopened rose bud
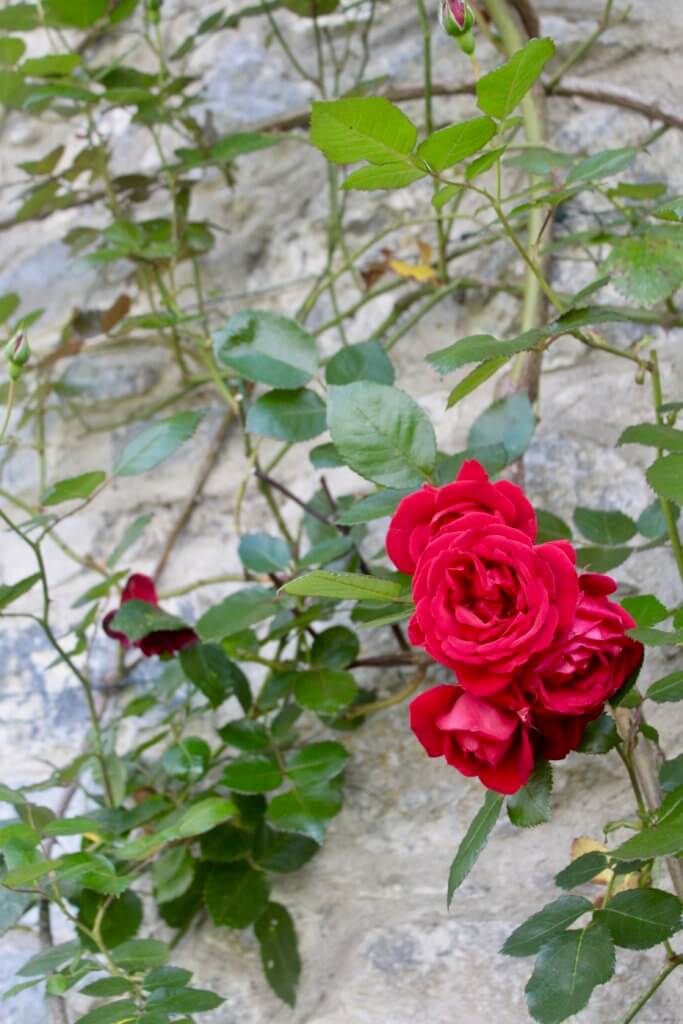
x: 17, y: 354
x: 456, y: 17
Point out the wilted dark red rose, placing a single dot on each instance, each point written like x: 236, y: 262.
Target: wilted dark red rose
x: 166, y: 641
x: 577, y: 675
x: 475, y: 735
x: 487, y: 599
x: 432, y: 510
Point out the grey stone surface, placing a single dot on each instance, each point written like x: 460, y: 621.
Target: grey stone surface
x: 377, y: 942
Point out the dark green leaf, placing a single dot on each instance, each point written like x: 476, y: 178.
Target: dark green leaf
x: 10, y: 592
x: 647, y: 268
x: 125, y: 1010
x: 106, y: 987
x: 547, y: 924
x: 474, y: 378
x: 283, y: 851
x: 140, y: 954
x: 267, y: 348
x: 20, y: 18
x: 646, y: 609
x: 671, y: 774
x: 155, y: 443
x: 50, y: 960
x: 325, y: 456
x: 381, y: 433
x: 509, y: 422
x: 245, y: 735
x: 238, y: 611
x: 226, y: 843
x: 336, y: 647
x: 581, y: 870
x: 184, y: 1000
x: 604, y: 527
x: 551, y: 527
x: 287, y: 415
x: 475, y: 840
x: 567, y: 971
x: 325, y: 691
x: 599, y: 736
x: 365, y: 361
x: 166, y: 977
x: 137, y: 619
x: 203, y: 816
x: 172, y: 874
x: 602, y: 165
x: 316, y: 763
x: 665, y: 477
x: 656, y: 435
x: 480, y: 348
x: 500, y: 91
x: 642, y: 918
x: 119, y: 919
x: 252, y: 775
x: 306, y: 811
x: 375, y: 506
x: 279, y: 951
x: 530, y: 806
x: 596, y: 559
x: 214, y: 674
x: 236, y: 894
x: 262, y: 553
x: 668, y: 689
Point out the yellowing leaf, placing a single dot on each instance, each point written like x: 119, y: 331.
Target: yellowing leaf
x: 420, y: 272
x: 584, y: 844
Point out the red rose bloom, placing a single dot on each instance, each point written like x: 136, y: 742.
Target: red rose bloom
x: 432, y: 510
x: 167, y: 641
x: 487, y: 599
x: 555, y: 736
x: 475, y: 735
x: 577, y: 675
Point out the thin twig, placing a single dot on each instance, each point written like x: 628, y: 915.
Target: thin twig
x: 56, y: 1005
x: 212, y: 456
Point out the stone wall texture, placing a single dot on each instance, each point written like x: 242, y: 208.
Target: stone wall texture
x: 377, y: 942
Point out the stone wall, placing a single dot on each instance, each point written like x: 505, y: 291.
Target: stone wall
x: 377, y: 943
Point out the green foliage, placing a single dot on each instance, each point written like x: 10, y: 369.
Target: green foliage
x: 267, y: 348
x: 381, y: 433
x: 279, y: 951
x: 531, y: 805
x: 287, y: 415
x: 509, y: 423
x: 642, y: 918
x: 502, y: 90
x: 546, y: 925
x: 156, y: 443
x: 567, y: 971
x: 474, y: 841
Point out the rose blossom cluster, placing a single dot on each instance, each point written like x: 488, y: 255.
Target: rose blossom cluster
x: 536, y: 649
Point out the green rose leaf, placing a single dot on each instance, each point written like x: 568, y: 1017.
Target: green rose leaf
x: 267, y: 348
x: 382, y: 434
x: 208, y: 667
x: 10, y: 592
x: 547, y: 924
x: 604, y: 527
x: 450, y: 145
x: 316, y: 763
x: 567, y: 971
x: 642, y: 918
x: 279, y: 951
x: 137, y: 619
x: 509, y: 422
x: 475, y: 840
x: 656, y: 435
x: 581, y: 870
x: 364, y: 361
x: 500, y: 92
x: 363, y: 128
x: 480, y: 348
x: 668, y: 689
x: 236, y: 894
x: 155, y: 443
x: 665, y: 477
x: 140, y: 954
x: 531, y: 805
x: 324, y: 690
x: 287, y: 415
x: 307, y: 811
x: 346, y: 586
x: 252, y: 775
x: 263, y: 553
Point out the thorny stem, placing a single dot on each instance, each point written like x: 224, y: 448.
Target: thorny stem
x: 656, y: 984
x: 667, y: 507
x: 43, y: 621
x: 11, y: 395
x: 429, y: 125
